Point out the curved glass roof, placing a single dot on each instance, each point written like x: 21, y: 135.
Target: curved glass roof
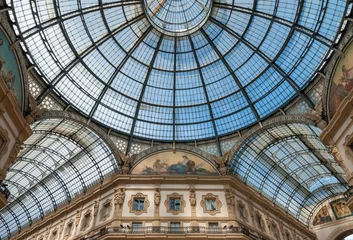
x: 246, y: 61
x: 61, y: 160
x: 177, y: 17
x: 291, y: 166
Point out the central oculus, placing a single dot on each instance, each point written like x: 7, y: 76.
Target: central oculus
x: 177, y: 17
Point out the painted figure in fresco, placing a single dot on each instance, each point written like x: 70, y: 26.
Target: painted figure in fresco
x: 184, y: 166
x: 322, y: 217
x: 8, y: 77
x: 2, y: 60
x: 157, y: 167
x: 347, y: 78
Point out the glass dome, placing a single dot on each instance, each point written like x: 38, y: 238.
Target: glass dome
x: 178, y: 70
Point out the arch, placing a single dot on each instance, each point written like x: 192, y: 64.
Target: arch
x: 61, y: 159
x: 169, y: 147
x: 287, y: 162
x: 341, y: 232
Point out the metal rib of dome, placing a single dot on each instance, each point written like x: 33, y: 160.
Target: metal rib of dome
x: 246, y: 61
x: 61, y: 160
x: 289, y: 164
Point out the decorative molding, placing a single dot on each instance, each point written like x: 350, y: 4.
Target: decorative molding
x: 119, y: 196
x: 145, y: 206
x: 218, y: 204
x: 107, y: 204
x: 273, y: 227
x: 243, y: 212
x: 260, y: 222
x: 157, y: 197
x: 192, y: 197
x: 175, y: 196
x: 69, y: 228
x: 85, y: 225
x: 4, y: 141
x: 341, y: 230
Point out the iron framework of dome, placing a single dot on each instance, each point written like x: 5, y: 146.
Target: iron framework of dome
x: 235, y: 65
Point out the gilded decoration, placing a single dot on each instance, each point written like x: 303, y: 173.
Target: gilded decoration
x: 211, y: 204
x: 175, y: 203
x: 142, y: 208
x: 164, y: 163
x: 340, y: 209
x: 105, y: 210
x: 322, y: 216
x: 243, y: 212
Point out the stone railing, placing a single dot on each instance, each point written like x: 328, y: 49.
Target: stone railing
x: 171, y: 230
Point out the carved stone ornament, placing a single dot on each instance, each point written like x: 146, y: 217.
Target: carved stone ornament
x: 243, y: 212
x: 146, y: 203
x: 221, y: 162
x: 317, y: 114
x: 128, y: 161
x: 338, y: 157
x: 4, y: 141
x: 273, y: 228
x: 211, y: 204
x: 259, y: 220
x: 157, y: 196
x: 78, y: 217
x: 192, y: 197
x: 35, y: 109
x: 95, y: 208
x: 229, y: 197
x: 182, y: 203
x: 119, y: 197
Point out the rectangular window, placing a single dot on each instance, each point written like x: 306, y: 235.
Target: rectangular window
x: 136, y: 227
x: 210, y: 204
x: 175, y: 227
x: 53, y: 237
x: 174, y: 204
x: 106, y: 210
x: 212, y: 227
x: 139, y: 204
x: 69, y: 229
x: 86, y: 220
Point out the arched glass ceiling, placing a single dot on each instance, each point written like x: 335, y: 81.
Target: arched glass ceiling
x: 247, y: 60
x: 291, y: 166
x: 59, y: 161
